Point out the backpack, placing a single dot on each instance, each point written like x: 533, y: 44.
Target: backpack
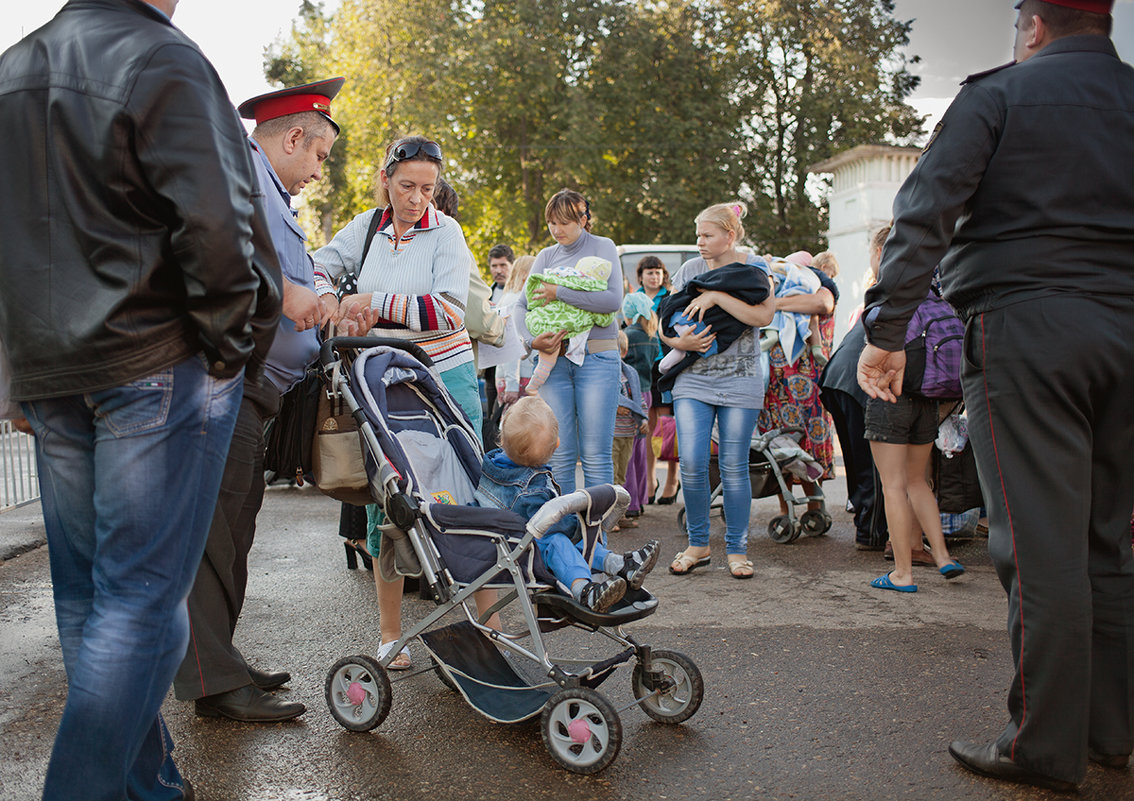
x: 934, y: 344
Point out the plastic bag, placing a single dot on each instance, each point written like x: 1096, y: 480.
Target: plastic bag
x: 952, y: 435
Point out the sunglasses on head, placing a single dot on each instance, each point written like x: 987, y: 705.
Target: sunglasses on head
x: 410, y: 149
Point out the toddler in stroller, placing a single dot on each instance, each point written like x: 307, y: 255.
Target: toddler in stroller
x: 517, y: 477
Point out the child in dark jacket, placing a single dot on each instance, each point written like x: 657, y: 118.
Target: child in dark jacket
x: 516, y: 477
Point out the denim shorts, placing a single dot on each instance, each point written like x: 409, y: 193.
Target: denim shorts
x: 910, y: 421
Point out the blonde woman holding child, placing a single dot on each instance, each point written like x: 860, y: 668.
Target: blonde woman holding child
x: 727, y: 387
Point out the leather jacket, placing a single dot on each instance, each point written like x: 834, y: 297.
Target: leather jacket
x: 127, y: 199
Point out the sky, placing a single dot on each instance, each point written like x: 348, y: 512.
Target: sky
x: 953, y: 37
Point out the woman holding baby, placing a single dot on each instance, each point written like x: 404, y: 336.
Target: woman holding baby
x: 726, y: 387
x: 582, y: 387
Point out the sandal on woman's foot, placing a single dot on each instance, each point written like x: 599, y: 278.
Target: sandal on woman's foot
x: 884, y: 582
x: 401, y: 662
x: 627, y: 522
x: 952, y: 570
x: 740, y: 568
x: 683, y: 563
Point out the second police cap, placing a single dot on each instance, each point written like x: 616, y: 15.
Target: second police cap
x: 1094, y: 6
x: 314, y: 96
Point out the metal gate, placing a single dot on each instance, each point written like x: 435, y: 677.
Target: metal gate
x: 19, y: 477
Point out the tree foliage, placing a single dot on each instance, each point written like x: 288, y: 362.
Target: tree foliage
x: 653, y: 110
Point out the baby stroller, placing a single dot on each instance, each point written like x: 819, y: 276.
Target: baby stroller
x: 770, y: 454
x: 423, y: 464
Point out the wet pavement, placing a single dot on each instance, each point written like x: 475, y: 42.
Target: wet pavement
x: 816, y: 686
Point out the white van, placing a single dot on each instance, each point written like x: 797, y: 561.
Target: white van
x: 672, y: 256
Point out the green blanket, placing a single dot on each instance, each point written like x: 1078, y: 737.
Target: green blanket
x: 557, y: 315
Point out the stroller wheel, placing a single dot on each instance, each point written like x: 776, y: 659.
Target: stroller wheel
x: 815, y: 522
x: 783, y: 529
x: 358, y: 693
x: 581, y: 730
x: 681, y: 699
x: 681, y: 518
x: 448, y: 682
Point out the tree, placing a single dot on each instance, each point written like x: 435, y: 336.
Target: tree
x: 818, y: 78
x: 653, y: 110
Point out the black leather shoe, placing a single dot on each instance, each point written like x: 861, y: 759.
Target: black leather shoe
x: 187, y: 793
x: 268, y: 680
x: 1116, y: 761
x: 988, y: 761
x: 248, y: 704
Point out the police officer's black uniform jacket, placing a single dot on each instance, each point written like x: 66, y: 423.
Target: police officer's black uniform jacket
x: 975, y: 203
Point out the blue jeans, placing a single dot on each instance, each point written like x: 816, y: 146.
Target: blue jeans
x: 128, y: 478
x: 565, y: 558
x: 585, y: 400
x: 734, y: 430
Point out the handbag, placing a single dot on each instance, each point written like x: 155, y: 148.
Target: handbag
x: 288, y: 435
x: 337, y: 461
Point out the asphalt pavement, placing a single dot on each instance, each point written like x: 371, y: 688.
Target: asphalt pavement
x: 816, y: 685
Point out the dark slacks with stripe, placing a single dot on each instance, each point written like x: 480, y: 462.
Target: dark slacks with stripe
x: 1049, y: 387
x: 213, y: 664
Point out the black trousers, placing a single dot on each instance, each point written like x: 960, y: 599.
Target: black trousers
x: 864, y: 487
x: 212, y: 663
x: 1048, y: 386
x: 490, y: 425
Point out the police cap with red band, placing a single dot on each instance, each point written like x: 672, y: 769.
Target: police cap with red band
x: 315, y: 96
x: 1094, y: 6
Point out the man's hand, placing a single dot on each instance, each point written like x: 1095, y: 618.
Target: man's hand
x: 880, y: 372
x: 301, y: 306
x: 22, y: 424
x: 328, y: 308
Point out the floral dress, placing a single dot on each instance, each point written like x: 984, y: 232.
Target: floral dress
x: 792, y: 399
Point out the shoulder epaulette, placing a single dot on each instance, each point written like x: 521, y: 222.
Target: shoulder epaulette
x: 976, y: 76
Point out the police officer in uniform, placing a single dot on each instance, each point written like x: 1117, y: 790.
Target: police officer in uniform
x: 293, y: 136
x: 1026, y: 198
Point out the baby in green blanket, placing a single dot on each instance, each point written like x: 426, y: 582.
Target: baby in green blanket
x: 589, y: 274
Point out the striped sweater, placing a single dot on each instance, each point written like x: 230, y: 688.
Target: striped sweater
x: 420, y: 285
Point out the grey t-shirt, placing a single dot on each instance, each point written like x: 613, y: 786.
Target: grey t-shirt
x: 734, y: 377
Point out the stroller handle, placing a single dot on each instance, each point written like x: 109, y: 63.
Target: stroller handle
x: 327, y: 352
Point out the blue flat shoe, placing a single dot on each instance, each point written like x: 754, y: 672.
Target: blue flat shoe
x: 883, y: 583
x: 952, y: 570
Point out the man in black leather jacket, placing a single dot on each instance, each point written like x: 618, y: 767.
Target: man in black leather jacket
x: 131, y: 305
x: 1025, y: 190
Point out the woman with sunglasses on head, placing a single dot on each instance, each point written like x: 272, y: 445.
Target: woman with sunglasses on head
x: 582, y: 388
x: 412, y: 282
